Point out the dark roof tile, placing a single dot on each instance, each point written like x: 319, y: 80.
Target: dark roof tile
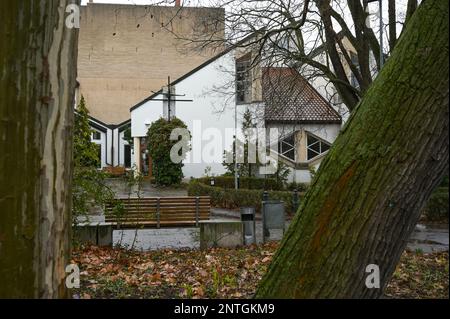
x: 290, y: 98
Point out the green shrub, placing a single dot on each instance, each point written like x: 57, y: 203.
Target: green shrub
x: 165, y: 171
x: 437, y: 207
x: 89, y: 189
x: 231, y: 199
x: 301, y: 187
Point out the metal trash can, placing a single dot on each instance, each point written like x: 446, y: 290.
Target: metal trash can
x: 273, y: 217
x: 249, y: 223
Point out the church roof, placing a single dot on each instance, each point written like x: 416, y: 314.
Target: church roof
x: 289, y: 97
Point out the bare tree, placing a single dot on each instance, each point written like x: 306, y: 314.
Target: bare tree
x: 296, y: 34
x: 37, y: 85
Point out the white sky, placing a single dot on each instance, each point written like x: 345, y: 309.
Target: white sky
x: 133, y: 2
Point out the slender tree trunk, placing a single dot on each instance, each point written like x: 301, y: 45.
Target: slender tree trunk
x: 349, y: 97
x: 392, y: 24
x: 410, y: 9
x: 367, y: 197
x: 37, y: 85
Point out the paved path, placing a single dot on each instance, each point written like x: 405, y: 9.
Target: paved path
x: 172, y: 238
x: 429, y: 238
x: 424, y: 238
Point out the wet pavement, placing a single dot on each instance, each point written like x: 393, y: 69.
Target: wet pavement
x: 429, y: 238
x: 425, y: 238
x: 173, y: 238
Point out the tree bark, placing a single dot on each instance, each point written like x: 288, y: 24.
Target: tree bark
x: 37, y: 86
x: 369, y: 191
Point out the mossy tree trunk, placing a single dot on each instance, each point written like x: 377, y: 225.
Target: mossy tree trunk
x: 37, y: 85
x: 371, y: 188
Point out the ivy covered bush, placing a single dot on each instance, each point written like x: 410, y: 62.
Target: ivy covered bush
x: 165, y: 171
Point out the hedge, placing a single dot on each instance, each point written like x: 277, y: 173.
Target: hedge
x: 253, y: 183
x: 232, y: 199
x: 437, y: 206
x: 244, y: 182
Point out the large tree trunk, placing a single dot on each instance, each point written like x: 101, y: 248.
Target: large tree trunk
x: 380, y: 172
x: 37, y: 85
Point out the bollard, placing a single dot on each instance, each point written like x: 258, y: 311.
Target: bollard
x: 295, y: 201
x: 265, y: 196
x: 249, y: 223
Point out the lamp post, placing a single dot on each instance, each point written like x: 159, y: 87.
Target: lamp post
x: 380, y: 16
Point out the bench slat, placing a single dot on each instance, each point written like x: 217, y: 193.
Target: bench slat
x: 158, y: 212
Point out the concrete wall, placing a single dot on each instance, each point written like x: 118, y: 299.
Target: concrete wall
x: 127, y: 51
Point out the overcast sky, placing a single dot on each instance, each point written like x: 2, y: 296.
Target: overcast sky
x: 134, y: 1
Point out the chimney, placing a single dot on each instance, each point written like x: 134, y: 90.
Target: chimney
x: 177, y: 3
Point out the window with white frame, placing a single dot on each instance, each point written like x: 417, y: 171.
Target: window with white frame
x: 316, y: 146
x: 243, y: 79
x: 287, y: 147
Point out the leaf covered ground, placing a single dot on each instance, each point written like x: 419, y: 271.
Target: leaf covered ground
x: 224, y: 273
x: 420, y: 275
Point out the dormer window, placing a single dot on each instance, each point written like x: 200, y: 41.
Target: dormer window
x: 316, y: 146
x: 243, y: 79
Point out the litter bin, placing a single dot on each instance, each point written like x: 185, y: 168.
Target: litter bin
x: 248, y: 220
x: 273, y: 217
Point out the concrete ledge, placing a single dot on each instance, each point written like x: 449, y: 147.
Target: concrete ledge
x: 221, y: 233
x: 99, y: 234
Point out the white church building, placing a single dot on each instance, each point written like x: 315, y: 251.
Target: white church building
x: 212, y: 98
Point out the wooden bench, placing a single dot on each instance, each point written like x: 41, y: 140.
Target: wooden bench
x: 158, y: 211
